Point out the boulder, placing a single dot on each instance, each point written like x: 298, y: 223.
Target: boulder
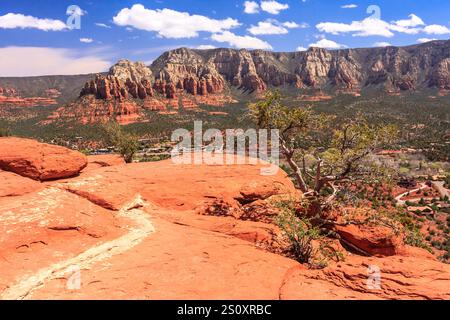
x: 39, y: 161
x: 371, y: 240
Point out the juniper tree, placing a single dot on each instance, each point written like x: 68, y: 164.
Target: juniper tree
x: 323, y: 155
x: 126, y: 144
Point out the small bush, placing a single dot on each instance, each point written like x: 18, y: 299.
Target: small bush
x: 299, y: 232
x: 126, y: 144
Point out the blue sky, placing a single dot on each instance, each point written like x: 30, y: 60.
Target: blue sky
x: 142, y: 30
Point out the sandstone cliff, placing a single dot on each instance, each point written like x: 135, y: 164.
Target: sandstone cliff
x: 187, y: 77
x: 203, y: 72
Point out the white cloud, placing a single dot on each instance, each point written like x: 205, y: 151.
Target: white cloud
x: 327, y: 44
x: 251, y: 7
x: 247, y: 42
x: 295, y: 25
x: 102, y: 25
x: 273, y: 7
x: 374, y: 27
x: 349, y: 6
x: 382, y: 44
x: 413, y: 21
x: 86, y: 40
x: 436, y: 29
x: 17, y: 20
x: 206, y: 47
x: 425, y: 40
x: 408, y: 26
x: 274, y: 27
x: 364, y: 28
x: 267, y: 28
x: 35, y: 61
x: 301, y: 48
x: 170, y: 23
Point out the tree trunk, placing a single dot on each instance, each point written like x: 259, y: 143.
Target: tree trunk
x: 297, y: 171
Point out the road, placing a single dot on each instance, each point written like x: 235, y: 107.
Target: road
x: 400, y: 202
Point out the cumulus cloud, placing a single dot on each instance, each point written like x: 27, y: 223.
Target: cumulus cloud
x: 274, y: 27
x: 328, y: 44
x: 17, y: 20
x: 169, y: 23
x: 294, y: 25
x: 267, y: 28
x: 273, y: 7
x: 251, y: 7
x: 436, y: 29
x: 36, y: 61
x: 246, y: 42
x: 413, y: 21
x: 301, y: 48
x: 377, y: 27
x: 364, y: 28
x: 408, y: 26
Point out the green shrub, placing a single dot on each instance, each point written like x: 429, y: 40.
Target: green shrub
x: 125, y: 143
x: 413, y: 236
x: 436, y: 244
x: 299, y: 232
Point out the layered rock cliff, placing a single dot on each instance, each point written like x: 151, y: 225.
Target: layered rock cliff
x: 187, y: 77
x: 203, y: 72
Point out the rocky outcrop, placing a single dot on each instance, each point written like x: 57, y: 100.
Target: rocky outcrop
x: 441, y: 75
x: 89, y: 109
x: 124, y: 80
x: 204, y: 72
x: 8, y: 92
x: 111, y: 87
x: 39, y: 161
x: 126, y: 70
x: 115, y: 221
x: 10, y: 99
x: 359, y: 278
x: 371, y: 240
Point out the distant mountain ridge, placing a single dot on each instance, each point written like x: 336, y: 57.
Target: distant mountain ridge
x: 186, y: 78
x: 203, y: 72
x: 68, y: 86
